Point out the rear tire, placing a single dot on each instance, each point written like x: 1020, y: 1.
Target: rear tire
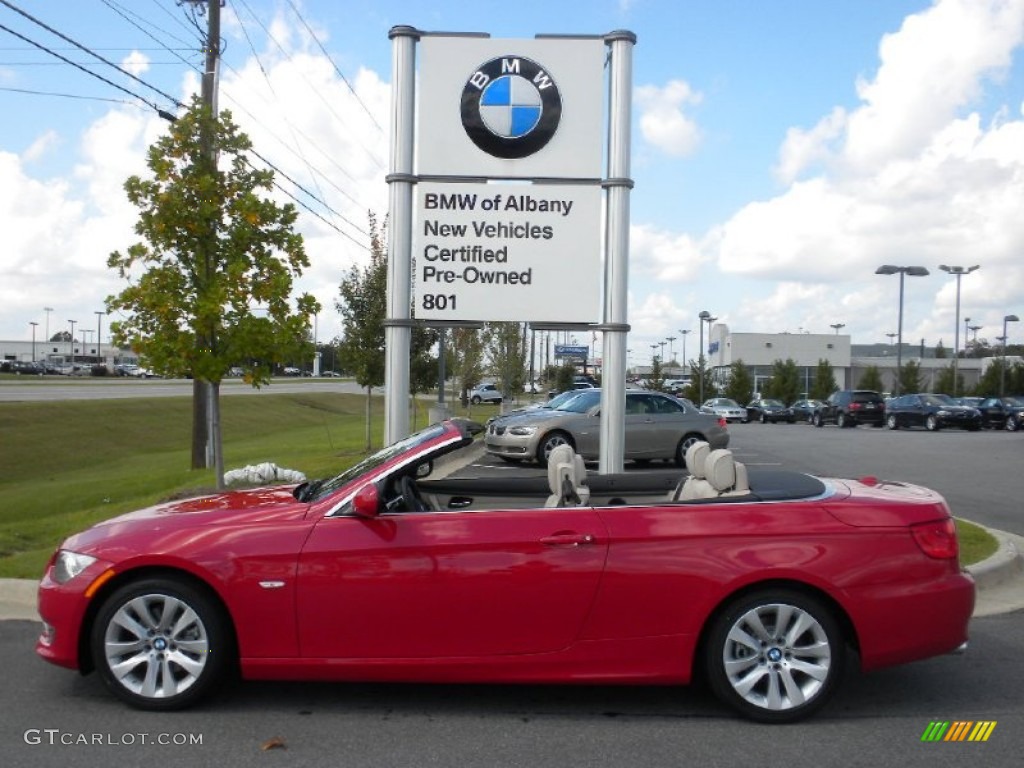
x: 891, y: 422
x: 775, y: 656
x: 684, y: 446
x: 818, y: 421
x: 841, y: 420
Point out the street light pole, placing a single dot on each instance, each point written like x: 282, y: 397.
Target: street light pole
x: 837, y: 326
x: 72, y: 341
x: 959, y: 272
x: 34, y: 324
x: 99, y: 338
x: 702, y: 317
x: 967, y: 332
x: 47, y: 310
x: 685, y: 334
x: 889, y: 269
x: 671, y: 354
x: 1002, y: 371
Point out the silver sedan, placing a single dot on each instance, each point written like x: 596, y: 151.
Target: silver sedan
x: 658, y: 426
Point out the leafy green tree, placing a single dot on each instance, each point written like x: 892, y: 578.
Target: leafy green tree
x: 507, y: 348
x: 940, y: 351
x: 362, y: 304
x: 467, y: 360
x: 210, y: 282
x: 988, y: 384
x: 692, y: 391
x: 656, y: 381
x: 871, y: 379
x: 565, y: 377
x: 824, y: 381
x: 944, y: 380
x: 910, y: 380
x: 786, y: 384
x: 741, y: 384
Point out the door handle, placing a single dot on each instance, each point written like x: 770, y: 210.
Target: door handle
x: 568, y: 539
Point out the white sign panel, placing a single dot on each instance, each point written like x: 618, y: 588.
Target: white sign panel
x: 507, y: 252
x: 509, y: 108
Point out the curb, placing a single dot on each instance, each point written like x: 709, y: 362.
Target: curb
x: 995, y: 579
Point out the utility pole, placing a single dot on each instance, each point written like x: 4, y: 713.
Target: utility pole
x: 205, y: 418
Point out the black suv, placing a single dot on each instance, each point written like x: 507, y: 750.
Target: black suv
x: 850, y: 407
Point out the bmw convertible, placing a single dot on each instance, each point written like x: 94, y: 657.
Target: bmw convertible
x: 407, y: 567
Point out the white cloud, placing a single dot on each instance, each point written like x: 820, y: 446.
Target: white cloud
x: 41, y: 146
x: 663, y: 255
x: 663, y: 123
x: 136, y: 62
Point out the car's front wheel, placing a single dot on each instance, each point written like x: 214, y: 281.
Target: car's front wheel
x: 476, y: 400
x: 931, y: 423
x: 818, y: 420
x: 161, y: 643
x: 1012, y: 423
x: 764, y: 419
x: 549, y: 442
x: 775, y: 656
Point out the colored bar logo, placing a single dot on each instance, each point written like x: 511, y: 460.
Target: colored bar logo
x: 958, y: 730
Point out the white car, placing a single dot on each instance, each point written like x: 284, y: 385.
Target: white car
x: 725, y: 408
x: 485, y: 393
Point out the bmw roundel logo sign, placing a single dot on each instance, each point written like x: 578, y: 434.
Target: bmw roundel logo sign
x: 511, y: 107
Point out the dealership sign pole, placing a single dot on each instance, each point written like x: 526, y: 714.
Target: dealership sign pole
x: 496, y: 212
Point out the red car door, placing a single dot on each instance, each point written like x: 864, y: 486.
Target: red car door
x: 442, y: 584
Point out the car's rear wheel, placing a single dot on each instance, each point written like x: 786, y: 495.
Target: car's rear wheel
x: 161, y: 643
x: 764, y: 419
x: 551, y: 441
x: 775, y: 656
x: 841, y: 420
x: 891, y: 422
x: 684, y: 446
x: 818, y: 420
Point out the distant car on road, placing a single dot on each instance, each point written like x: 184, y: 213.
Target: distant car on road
x: 803, y: 410
x: 725, y: 408
x: 486, y: 393
x: 933, y: 412
x: 850, y: 407
x: 658, y: 426
x: 1002, y: 413
x: 768, y: 410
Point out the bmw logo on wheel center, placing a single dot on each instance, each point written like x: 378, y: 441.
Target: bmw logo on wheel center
x: 511, y: 107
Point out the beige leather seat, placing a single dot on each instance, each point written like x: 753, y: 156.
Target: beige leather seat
x: 727, y: 476
x: 696, y: 485
x: 566, y: 478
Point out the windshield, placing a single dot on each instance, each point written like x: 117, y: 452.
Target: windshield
x: 582, y: 403
x: 772, y: 403
x: 318, y: 489
x: 564, y: 397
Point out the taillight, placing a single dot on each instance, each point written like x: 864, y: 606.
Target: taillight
x: 937, y: 539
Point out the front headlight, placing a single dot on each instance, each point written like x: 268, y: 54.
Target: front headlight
x: 69, y: 564
x: 942, y: 412
x: 522, y: 431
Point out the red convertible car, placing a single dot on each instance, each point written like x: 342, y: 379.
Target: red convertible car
x: 403, y: 569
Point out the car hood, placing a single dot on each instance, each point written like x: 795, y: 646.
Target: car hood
x: 255, y: 506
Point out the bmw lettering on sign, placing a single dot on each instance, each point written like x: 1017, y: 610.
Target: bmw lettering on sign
x: 511, y: 107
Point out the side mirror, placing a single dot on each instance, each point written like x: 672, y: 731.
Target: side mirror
x: 366, y: 502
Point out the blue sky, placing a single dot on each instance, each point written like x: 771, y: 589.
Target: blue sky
x: 781, y: 150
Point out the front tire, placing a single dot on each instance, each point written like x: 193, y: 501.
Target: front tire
x: 818, y: 421
x: 476, y: 400
x: 775, y: 656
x: 1012, y: 424
x: 549, y: 442
x: 161, y: 644
x: 931, y: 423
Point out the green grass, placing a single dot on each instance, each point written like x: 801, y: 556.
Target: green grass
x: 976, y: 543
x: 68, y: 464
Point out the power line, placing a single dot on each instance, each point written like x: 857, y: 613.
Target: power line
x: 340, y: 74
x: 67, y: 95
x: 124, y: 14
x: 111, y: 83
x: 64, y: 37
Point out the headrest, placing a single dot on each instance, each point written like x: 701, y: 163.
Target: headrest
x: 563, y: 457
x: 696, y: 457
x: 720, y: 469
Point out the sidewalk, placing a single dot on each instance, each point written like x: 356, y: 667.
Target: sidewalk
x: 1000, y: 582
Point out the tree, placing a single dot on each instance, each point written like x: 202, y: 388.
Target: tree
x: 910, y: 379
x: 871, y: 379
x: 565, y: 377
x: 507, y: 351
x: 940, y: 351
x: 824, y: 381
x: 467, y: 360
x: 785, y: 384
x: 362, y: 304
x: 692, y: 391
x: 944, y: 380
x: 741, y: 385
x: 210, y: 283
